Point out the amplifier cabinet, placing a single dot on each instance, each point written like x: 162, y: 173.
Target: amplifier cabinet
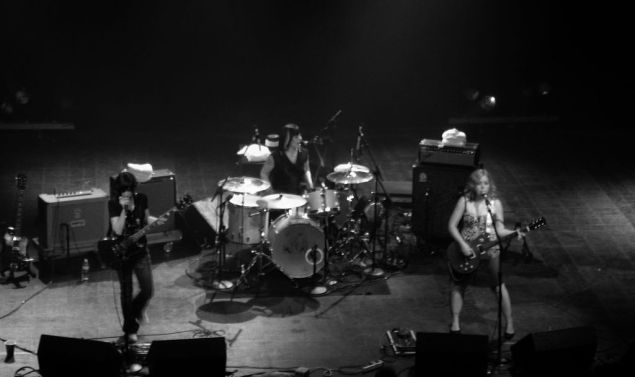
x: 435, y: 191
x: 161, y: 193
x: 83, y: 218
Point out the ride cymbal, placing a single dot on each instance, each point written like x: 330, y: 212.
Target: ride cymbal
x: 244, y: 185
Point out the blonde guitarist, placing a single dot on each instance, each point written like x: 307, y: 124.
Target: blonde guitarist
x: 469, y: 221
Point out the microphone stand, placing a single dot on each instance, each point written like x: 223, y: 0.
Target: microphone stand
x: 499, y: 355
x: 374, y: 270
x: 219, y: 283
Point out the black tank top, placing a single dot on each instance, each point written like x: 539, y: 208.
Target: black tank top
x: 286, y: 177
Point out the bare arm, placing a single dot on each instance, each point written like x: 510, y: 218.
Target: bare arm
x: 307, y: 175
x: 266, y: 169
x: 500, y: 219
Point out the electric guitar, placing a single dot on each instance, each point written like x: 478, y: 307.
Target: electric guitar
x: 15, y: 245
x: 462, y: 264
x: 122, y: 248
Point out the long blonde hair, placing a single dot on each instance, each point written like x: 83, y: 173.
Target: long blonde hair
x: 474, y: 179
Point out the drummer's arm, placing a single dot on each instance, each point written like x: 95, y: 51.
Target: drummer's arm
x: 266, y: 169
x: 307, y: 175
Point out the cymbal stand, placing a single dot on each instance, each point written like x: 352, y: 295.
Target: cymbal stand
x: 364, y: 146
x: 322, y: 289
x: 220, y: 242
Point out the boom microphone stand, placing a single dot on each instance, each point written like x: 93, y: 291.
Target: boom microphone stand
x: 362, y: 144
x: 499, y: 354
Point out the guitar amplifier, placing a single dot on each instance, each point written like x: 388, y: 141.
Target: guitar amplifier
x: 434, y: 151
x: 161, y: 193
x: 82, y: 216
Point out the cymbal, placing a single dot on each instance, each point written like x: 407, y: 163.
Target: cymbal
x: 350, y: 177
x: 349, y: 166
x: 281, y: 201
x: 245, y: 185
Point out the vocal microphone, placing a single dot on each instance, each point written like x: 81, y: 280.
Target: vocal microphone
x: 487, y: 202
x: 314, y: 141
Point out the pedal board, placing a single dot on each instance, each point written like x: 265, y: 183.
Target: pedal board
x: 402, y: 341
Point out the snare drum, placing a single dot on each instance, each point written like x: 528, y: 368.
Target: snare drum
x: 245, y: 221
x: 296, y: 242
x: 322, y: 202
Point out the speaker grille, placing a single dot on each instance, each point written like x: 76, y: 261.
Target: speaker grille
x: 435, y: 190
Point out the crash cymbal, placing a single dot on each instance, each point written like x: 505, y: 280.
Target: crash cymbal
x: 281, y: 201
x: 245, y: 185
x: 349, y: 166
x: 350, y: 177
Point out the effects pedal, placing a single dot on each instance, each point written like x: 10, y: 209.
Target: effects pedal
x: 402, y: 341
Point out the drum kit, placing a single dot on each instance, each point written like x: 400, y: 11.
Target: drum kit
x: 296, y: 241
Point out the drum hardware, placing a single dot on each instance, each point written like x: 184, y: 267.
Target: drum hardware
x: 221, y: 241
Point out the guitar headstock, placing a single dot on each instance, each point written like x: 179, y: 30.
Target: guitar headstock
x: 20, y: 181
x: 184, y: 202
x: 538, y: 223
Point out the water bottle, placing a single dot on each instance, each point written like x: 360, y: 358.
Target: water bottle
x: 85, y: 270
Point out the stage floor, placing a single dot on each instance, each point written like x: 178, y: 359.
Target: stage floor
x: 580, y: 272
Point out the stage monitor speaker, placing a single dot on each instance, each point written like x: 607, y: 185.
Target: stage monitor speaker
x: 558, y: 351
x: 83, y: 217
x: 188, y: 357
x: 161, y: 193
x: 200, y: 222
x: 451, y: 355
x: 69, y: 357
x: 435, y: 190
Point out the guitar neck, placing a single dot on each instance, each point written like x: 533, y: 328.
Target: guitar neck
x: 143, y: 231
x: 18, y: 216
x: 493, y: 243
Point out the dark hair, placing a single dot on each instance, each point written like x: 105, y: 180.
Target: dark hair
x: 289, y: 131
x: 125, y: 181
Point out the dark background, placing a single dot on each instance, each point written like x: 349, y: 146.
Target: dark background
x: 214, y: 65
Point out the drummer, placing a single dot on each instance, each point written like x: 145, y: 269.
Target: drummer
x: 287, y: 169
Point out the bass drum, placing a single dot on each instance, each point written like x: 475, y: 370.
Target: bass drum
x: 296, y: 242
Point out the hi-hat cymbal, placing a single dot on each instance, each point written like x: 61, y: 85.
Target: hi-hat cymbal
x: 349, y: 166
x: 281, y: 201
x: 244, y: 185
x: 349, y: 177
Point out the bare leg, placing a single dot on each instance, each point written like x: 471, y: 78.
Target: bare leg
x: 456, y: 304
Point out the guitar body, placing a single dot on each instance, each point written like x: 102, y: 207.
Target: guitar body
x: 14, y: 248
x: 124, y: 248
x: 465, y: 265
x: 462, y: 264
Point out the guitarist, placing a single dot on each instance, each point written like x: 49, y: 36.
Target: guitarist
x: 129, y: 212
x: 468, y: 221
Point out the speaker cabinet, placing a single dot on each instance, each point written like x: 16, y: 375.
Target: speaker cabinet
x: 558, y: 351
x: 68, y: 357
x: 83, y: 218
x: 188, y: 357
x: 161, y: 193
x: 451, y: 355
x: 435, y: 190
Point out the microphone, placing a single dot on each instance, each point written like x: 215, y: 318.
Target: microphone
x: 360, y: 134
x: 314, y: 141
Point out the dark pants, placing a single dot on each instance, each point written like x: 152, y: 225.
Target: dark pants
x: 133, y: 307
